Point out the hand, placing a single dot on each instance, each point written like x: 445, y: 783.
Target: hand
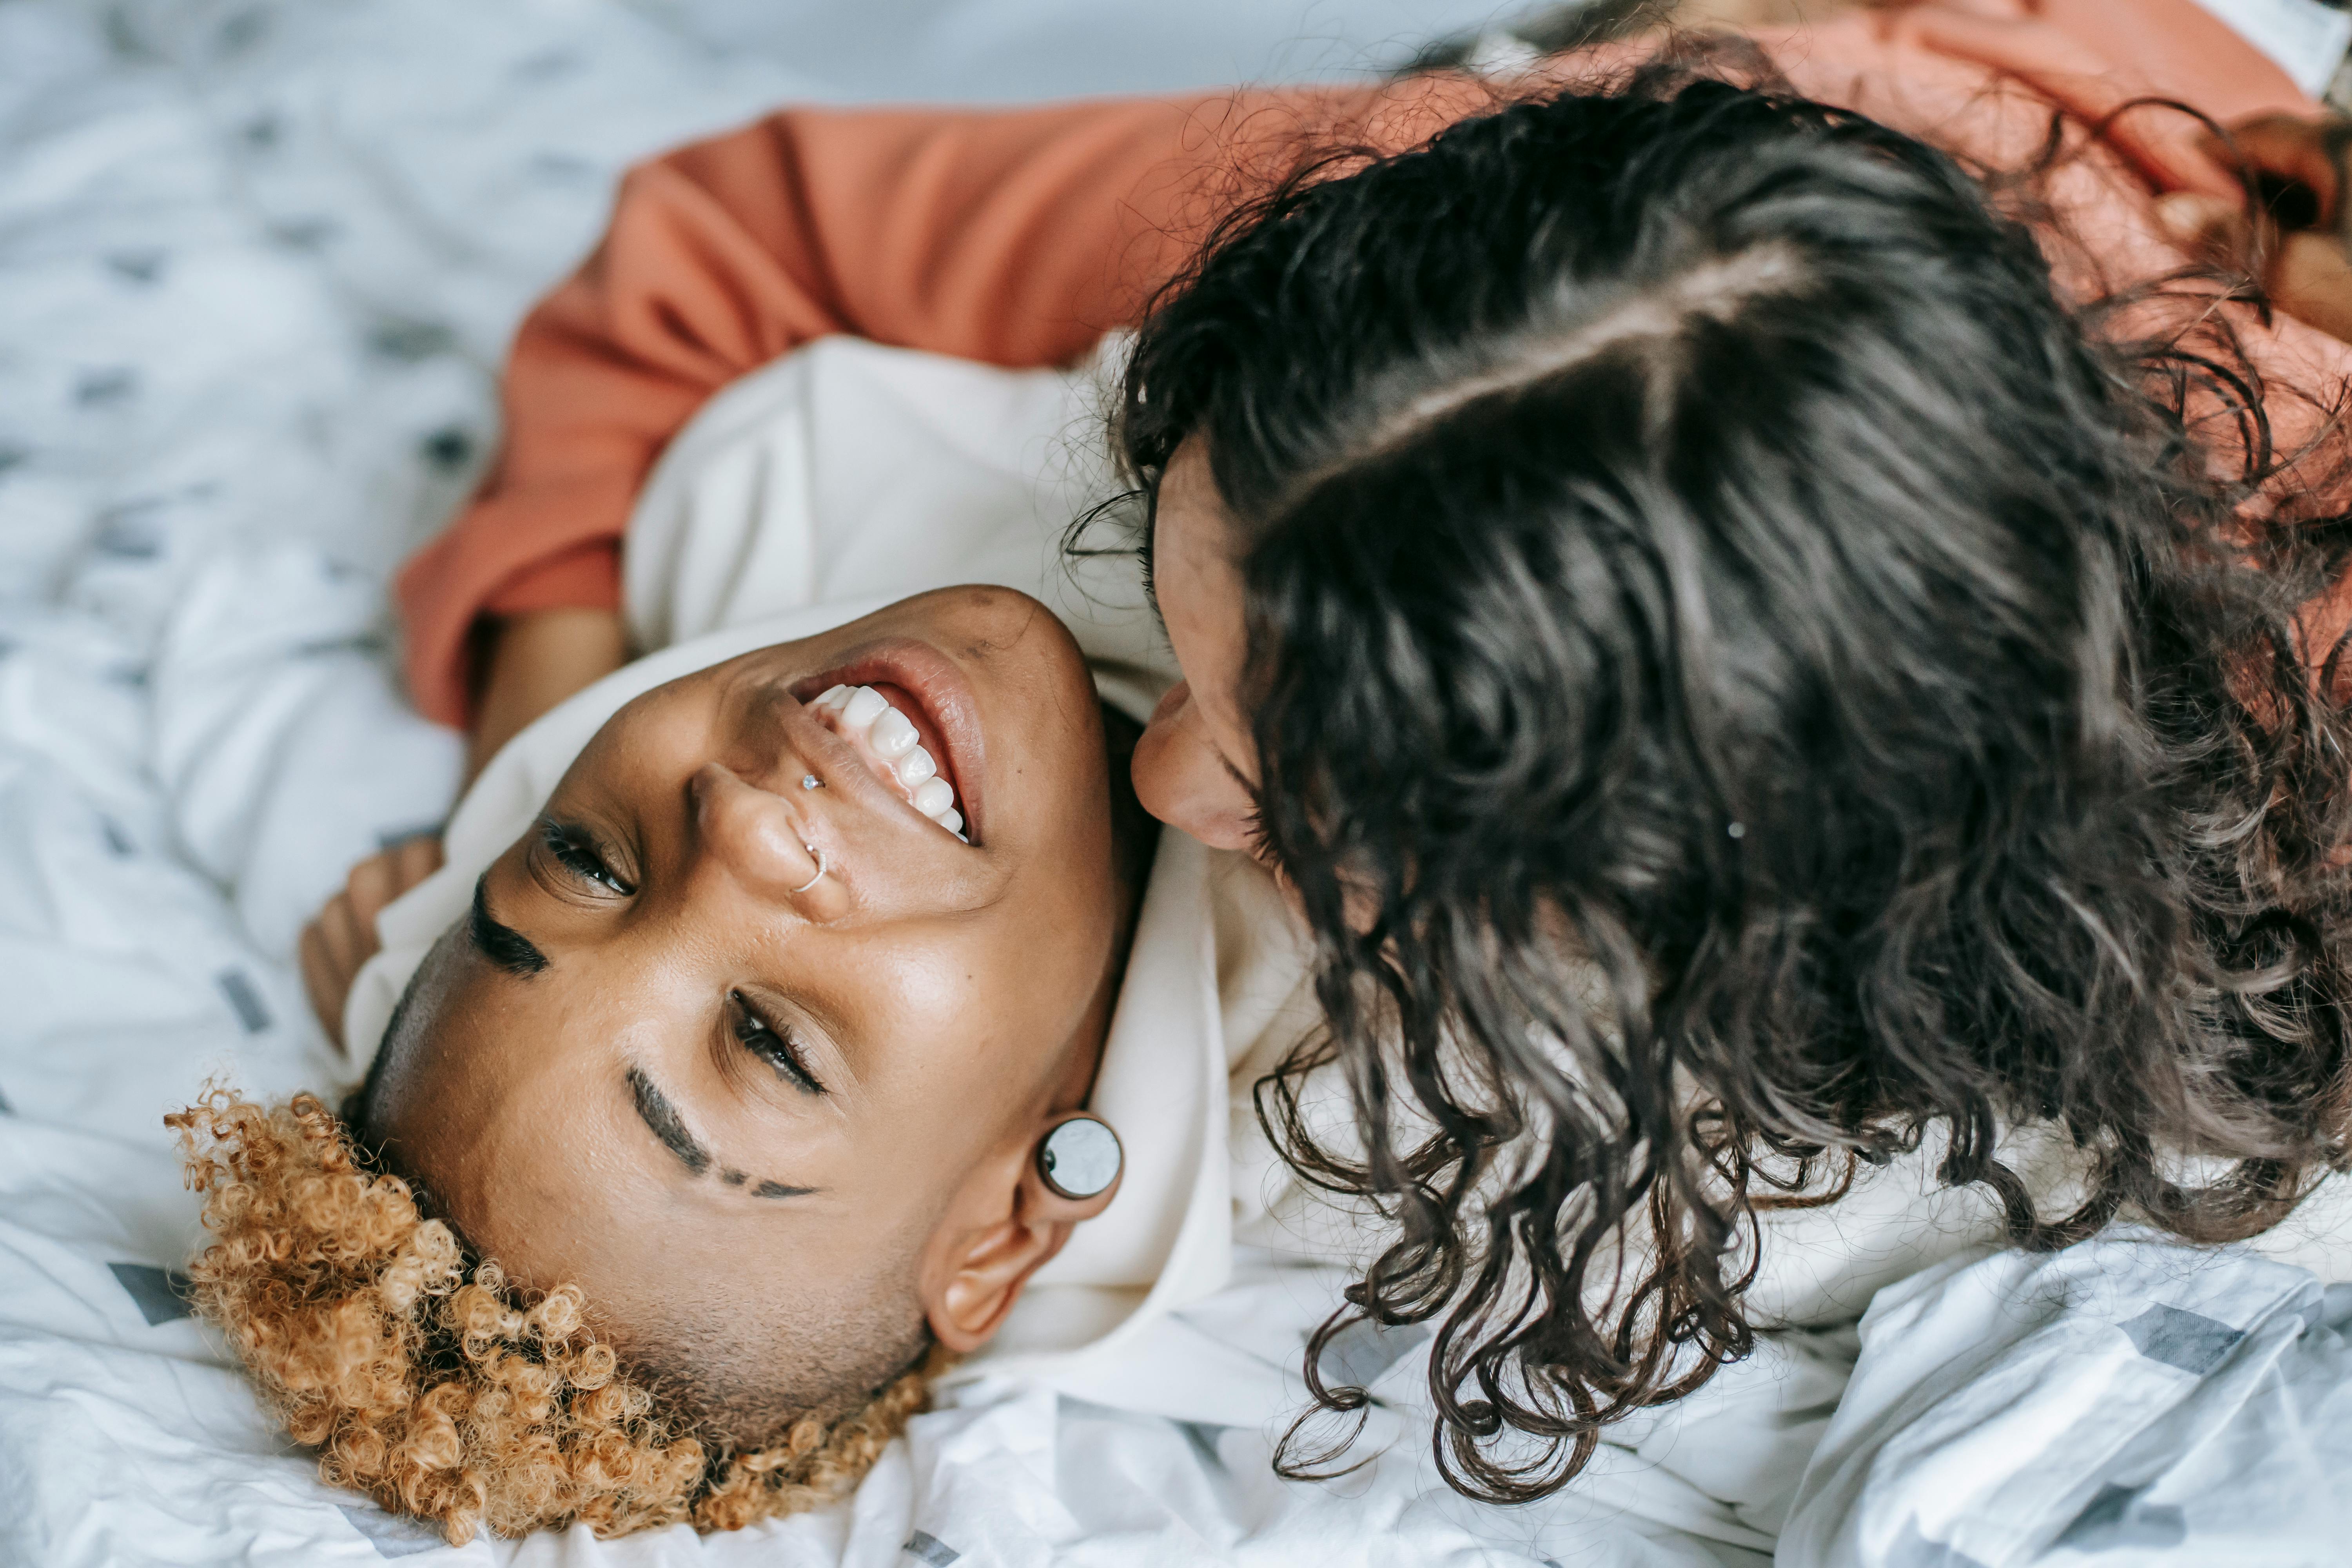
x: 2296, y: 236
x: 344, y: 937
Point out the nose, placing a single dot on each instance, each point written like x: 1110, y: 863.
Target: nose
x: 753, y: 834
x: 1182, y: 780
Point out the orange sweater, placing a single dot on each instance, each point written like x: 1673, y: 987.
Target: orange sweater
x: 1020, y: 237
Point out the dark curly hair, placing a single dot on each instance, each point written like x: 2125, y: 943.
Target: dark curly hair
x: 1687, y: 538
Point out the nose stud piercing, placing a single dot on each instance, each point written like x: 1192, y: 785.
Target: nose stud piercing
x: 813, y: 881
x: 810, y: 781
x: 1080, y: 1158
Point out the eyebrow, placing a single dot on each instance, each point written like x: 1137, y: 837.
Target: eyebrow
x: 657, y: 1113
x: 501, y: 944
x: 661, y: 1118
x: 735, y: 1178
x: 778, y: 1190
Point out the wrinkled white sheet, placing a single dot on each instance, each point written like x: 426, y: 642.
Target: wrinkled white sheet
x: 2122, y: 1402
x: 257, y: 264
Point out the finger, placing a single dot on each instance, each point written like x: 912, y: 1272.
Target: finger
x: 2207, y: 227
x: 356, y: 937
x: 370, y: 887
x: 2312, y: 279
x: 2219, y: 232
x: 324, y: 983
x: 414, y: 860
x: 340, y: 934
x: 2287, y: 147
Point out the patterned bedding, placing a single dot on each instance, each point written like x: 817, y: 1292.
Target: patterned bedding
x: 258, y: 262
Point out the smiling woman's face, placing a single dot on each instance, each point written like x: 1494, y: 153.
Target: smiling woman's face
x: 766, y: 1118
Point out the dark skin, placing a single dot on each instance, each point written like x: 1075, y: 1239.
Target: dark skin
x: 731, y: 1101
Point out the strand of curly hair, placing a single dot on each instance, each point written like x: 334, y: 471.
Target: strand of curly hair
x: 437, y: 1387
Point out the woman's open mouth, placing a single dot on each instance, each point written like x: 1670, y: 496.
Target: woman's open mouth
x: 878, y: 721
x: 905, y: 709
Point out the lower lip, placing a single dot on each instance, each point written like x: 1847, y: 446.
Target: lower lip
x: 926, y: 686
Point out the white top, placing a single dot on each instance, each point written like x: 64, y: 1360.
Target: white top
x: 848, y: 475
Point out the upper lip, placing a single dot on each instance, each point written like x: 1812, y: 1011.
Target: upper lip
x: 949, y: 710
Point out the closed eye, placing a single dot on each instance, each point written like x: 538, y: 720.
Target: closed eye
x: 774, y: 1043
x: 571, y: 848
x: 1146, y: 549
x: 1260, y: 846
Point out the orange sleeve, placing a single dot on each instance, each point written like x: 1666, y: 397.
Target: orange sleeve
x: 1015, y: 238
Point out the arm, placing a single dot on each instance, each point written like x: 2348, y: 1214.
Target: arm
x: 1014, y: 238
x: 534, y: 660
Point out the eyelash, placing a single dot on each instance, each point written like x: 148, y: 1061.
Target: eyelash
x: 577, y: 853
x: 1254, y: 830
x: 774, y: 1046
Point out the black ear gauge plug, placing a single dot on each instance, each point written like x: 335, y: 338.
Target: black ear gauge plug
x: 1080, y: 1158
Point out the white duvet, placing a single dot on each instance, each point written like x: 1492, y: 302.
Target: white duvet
x: 257, y: 264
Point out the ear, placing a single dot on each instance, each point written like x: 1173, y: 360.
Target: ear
x: 1007, y: 1224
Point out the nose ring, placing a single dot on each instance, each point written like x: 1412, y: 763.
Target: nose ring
x: 813, y: 881
x: 810, y: 781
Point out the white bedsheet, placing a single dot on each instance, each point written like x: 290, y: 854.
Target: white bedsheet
x: 257, y: 264
x: 2124, y: 1402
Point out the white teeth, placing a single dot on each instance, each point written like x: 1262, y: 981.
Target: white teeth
x: 863, y: 713
x: 893, y: 735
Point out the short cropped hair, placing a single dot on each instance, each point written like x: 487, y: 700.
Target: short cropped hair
x: 430, y: 1381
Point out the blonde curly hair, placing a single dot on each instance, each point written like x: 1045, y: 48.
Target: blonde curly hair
x: 440, y: 1389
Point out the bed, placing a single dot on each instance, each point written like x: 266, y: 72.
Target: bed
x: 257, y: 264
